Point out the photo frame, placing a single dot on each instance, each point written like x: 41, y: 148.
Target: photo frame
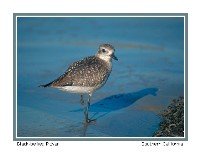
x: 38, y: 36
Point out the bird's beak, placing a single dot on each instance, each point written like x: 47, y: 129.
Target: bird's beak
x: 114, y: 57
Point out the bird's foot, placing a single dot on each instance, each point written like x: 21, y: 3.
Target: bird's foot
x: 90, y: 121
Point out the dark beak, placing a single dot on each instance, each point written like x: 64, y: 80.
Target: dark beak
x: 114, y: 57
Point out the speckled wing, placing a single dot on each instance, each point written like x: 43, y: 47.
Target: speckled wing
x: 89, y: 72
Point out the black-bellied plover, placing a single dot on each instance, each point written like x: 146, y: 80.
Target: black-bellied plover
x: 87, y: 75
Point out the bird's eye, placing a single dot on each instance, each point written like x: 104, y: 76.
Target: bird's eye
x: 103, y: 50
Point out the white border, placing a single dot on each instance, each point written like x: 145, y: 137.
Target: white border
x: 104, y: 138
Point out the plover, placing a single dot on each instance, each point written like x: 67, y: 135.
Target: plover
x: 87, y: 75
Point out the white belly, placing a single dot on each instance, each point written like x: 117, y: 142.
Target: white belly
x: 78, y: 89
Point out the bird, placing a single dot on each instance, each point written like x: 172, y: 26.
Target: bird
x: 86, y: 75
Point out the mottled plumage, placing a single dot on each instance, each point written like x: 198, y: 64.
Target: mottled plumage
x: 87, y: 75
x: 88, y: 72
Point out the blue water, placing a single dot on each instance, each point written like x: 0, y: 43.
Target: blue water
x: 149, y: 73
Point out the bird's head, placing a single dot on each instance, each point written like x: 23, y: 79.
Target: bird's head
x: 106, y: 52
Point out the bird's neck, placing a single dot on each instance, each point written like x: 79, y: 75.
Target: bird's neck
x: 107, y: 59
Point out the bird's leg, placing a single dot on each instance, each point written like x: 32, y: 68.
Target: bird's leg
x: 88, y: 106
x: 85, y: 109
x: 86, y: 115
x: 89, y: 100
x: 82, y: 102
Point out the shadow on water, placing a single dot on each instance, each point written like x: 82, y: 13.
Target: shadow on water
x: 116, y: 102
x: 120, y: 101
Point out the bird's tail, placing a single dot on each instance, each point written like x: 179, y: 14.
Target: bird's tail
x: 45, y: 85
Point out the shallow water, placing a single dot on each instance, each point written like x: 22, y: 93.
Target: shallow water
x: 149, y: 73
